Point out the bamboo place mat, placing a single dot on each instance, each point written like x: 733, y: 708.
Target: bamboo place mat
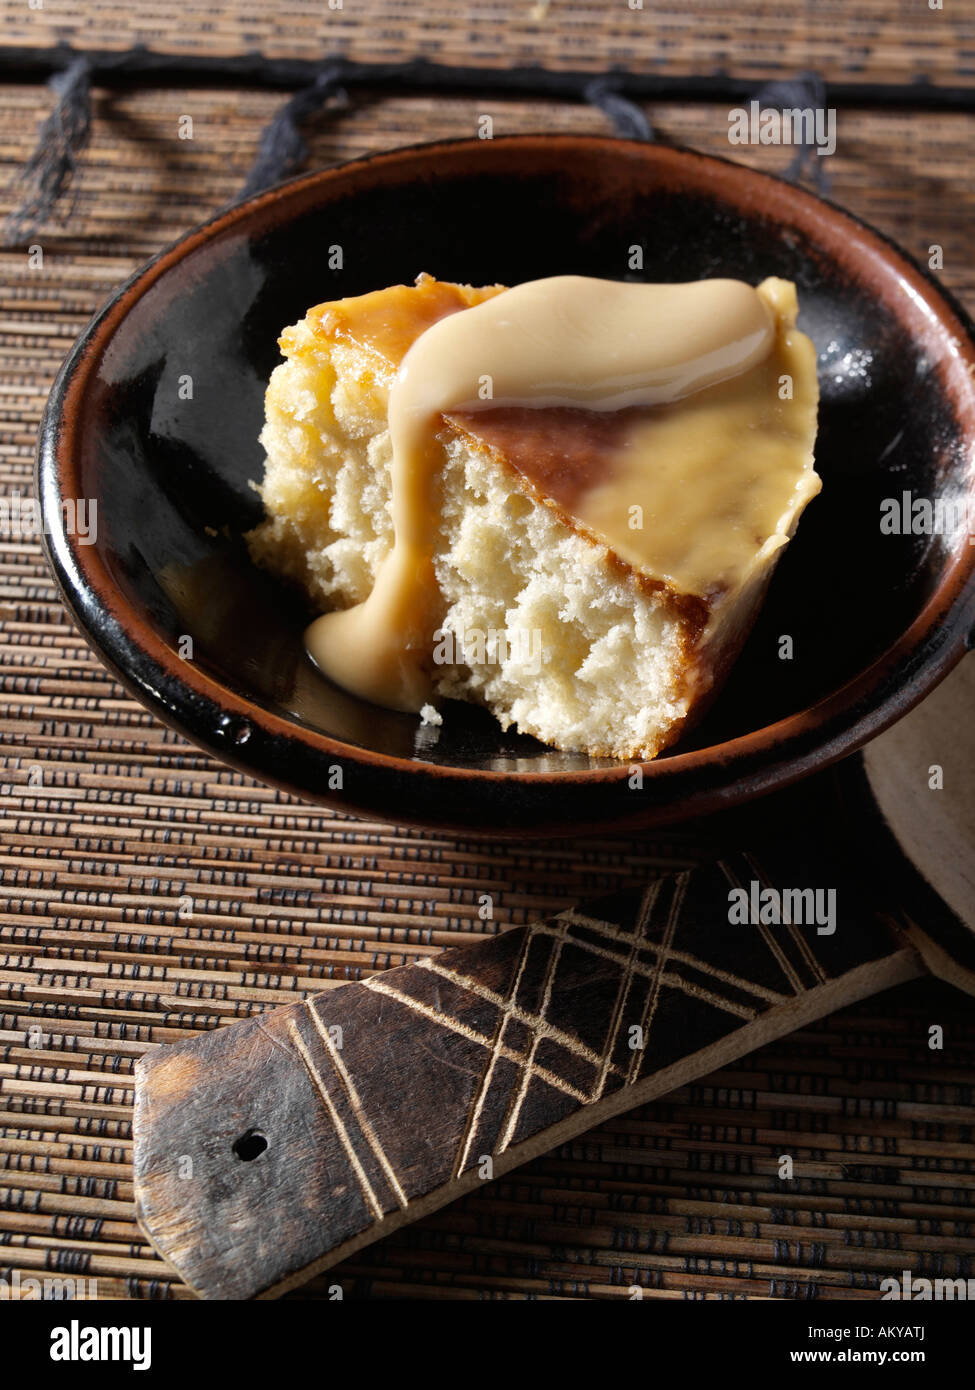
x: 152, y: 893
x: 880, y: 40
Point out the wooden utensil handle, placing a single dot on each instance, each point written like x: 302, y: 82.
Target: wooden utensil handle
x: 270, y: 1149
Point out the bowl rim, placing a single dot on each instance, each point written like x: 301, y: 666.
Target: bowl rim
x: 147, y: 666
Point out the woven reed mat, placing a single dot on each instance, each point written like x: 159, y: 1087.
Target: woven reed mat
x: 151, y: 893
x: 872, y: 39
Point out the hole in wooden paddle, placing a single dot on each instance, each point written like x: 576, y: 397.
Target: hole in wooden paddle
x: 250, y: 1145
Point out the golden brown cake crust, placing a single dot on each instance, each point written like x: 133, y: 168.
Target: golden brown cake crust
x: 388, y: 322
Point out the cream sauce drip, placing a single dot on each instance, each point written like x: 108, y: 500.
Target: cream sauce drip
x: 705, y: 457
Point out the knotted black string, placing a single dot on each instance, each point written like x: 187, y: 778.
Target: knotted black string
x: 628, y: 119
x: 805, y: 92
x: 60, y: 139
x: 283, y: 150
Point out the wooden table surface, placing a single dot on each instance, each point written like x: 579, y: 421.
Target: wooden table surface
x: 110, y: 824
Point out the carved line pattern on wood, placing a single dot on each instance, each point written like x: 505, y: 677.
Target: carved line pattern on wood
x: 528, y: 1067
x: 659, y: 976
x: 622, y: 947
x: 319, y: 1083
x: 497, y: 1048
x: 484, y: 1086
x: 662, y: 956
x: 606, y: 929
x: 357, y: 1107
x: 639, y: 935
x: 768, y: 937
x: 445, y: 1021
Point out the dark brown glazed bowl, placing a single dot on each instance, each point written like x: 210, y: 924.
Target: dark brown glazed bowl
x: 876, y: 620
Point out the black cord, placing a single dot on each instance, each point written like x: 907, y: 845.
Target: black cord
x: 626, y: 116
x: 133, y: 66
x: 282, y: 149
x: 805, y: 92
x: 60, y: 140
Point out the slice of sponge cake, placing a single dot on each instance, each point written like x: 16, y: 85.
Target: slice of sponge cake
x: 596, y: 571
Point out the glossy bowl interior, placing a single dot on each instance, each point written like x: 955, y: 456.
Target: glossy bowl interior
x: 157, y: 411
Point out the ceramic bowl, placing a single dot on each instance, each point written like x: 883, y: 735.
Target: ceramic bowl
x: 156, y: 414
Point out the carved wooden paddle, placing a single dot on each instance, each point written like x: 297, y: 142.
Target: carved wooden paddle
x: 268, y: 1150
